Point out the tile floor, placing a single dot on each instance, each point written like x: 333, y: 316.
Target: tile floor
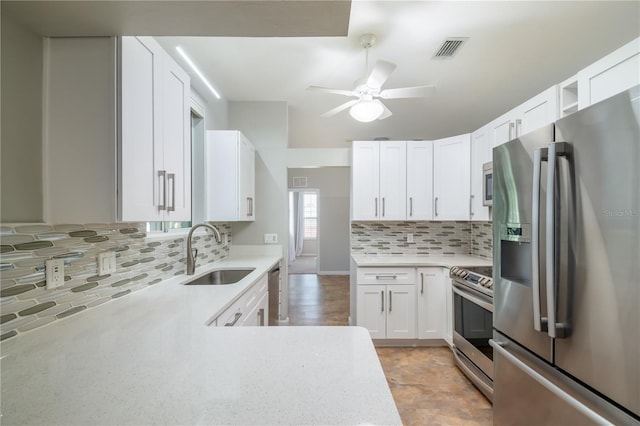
x: 427, y: 387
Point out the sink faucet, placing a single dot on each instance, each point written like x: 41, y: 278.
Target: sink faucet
x: 191, y: 258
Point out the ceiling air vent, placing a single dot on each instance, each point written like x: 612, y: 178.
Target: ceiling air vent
x: 299, y: 181
x: 449, y: 47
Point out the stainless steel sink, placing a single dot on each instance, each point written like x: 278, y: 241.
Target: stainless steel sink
x: 222, y: 277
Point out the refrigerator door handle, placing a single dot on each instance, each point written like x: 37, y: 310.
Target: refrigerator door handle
x: 539, y: 322
x: 557, y: 391
x: 555, y: 329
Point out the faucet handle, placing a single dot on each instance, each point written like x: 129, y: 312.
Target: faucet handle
x: 195, y: 254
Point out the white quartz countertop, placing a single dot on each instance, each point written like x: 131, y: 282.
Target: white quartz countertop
x: 149, y: 358
x: 443, y: 261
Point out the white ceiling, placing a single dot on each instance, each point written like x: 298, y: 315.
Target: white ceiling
x: 515, y: 50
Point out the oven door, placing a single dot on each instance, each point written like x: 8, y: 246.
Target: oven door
x: 473, y: 327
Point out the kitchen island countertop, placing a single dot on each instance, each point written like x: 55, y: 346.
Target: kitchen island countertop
x: 149, y: 358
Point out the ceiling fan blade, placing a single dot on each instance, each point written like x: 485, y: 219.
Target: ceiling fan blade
x: 340, y: 108
x: 334, y: 91
x: 386, y: 113
x: 379, y: 74
x: 408, y: 92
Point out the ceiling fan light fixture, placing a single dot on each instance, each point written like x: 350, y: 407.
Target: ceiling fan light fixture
x: 366, y: 111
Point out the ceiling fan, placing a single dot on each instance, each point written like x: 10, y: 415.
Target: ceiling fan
x: 368, y: 90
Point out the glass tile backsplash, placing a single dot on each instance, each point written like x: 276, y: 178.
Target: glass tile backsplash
x: 25, y: 303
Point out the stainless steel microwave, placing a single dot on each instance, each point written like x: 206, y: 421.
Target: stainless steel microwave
x: 487, y: 184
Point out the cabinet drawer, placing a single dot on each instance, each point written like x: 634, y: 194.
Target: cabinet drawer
x: 232, y: 316
x: 386, y: 276
x: 255, y: 293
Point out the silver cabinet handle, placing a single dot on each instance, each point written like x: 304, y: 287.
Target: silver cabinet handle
x: 436, y: 206
x: 390, y: 301
x: 375, y: 204
x: 421, y: 282
x: 410, y: 206
x: 511, y: 129
x: 162, y: 180
x: 583, y: 409
x: 382, y: 206
x: 471, y: 205
x: 382, y: 300
x: 386, y: 277
x: 251, y: 214
x: 261, y: 317
x: 539, y: 322
x: 518, y: 127
x: 235, y: 320
x: 555, y: 328
x: 172, y: 177
x: 248, y: 206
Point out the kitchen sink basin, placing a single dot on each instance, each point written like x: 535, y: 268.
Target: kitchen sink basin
x: 221, y: 277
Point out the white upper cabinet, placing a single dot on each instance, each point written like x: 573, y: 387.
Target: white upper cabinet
x: 481, y: 153
x: 538, y: 111
x: 451, y: 178
x: 379, y: 180
x: 419, y: 180
x: 393, y: 180
x: 229, y: 177
x: 154, y: 140
x: 616, y: 72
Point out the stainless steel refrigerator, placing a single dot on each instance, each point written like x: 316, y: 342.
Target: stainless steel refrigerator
x: 566, y: 232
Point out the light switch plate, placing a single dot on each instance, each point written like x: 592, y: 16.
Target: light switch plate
x: 271, y: 238
x: 54, y: 273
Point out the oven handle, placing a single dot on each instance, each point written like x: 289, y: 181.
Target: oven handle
x: 577, y: 405
x: 457, y: 290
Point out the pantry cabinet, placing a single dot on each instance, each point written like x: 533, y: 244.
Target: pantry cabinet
x: 451, y: 178
x: 154, y: 136
x: 386, y: 302
x: 432, y: 308
x: 229, y: 177
x: 378, y: 180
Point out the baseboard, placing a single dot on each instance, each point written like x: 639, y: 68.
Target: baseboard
x: 284, y: 321
x: 409, y: 343
x: 333, y: 272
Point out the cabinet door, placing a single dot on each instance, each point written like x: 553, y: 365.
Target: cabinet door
x: 432, y: 302
x: 247, y: 184
x: 612, y: 74
x: 365, y: 180
x: 419, y: 180
x: 222, y: 176
x: 401, y: 312
x: 258, y: 316
x: 393, y: 180
x: 141, y: 187
x: 480, y: 154
x: 371, y: 308
x: 176, y: 140
x: 502, y: 129
x: 451, y: 186
x: 537, y: 111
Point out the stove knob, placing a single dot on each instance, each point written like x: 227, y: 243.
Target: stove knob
x: 489, y: 283
x: 482, y: 281
x: 453, y: 270
x: 462, y: 273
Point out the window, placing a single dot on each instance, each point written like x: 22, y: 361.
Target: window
x: 310, y: 215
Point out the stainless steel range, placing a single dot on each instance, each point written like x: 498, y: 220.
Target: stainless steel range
x: 473, y: 324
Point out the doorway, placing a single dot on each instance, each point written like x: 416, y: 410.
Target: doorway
x: 304, y: 241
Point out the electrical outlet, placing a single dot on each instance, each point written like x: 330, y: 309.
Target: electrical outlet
x: 271, y: 238
x: 54, y: 272
x: 106, y: 263
x: 409, y: 238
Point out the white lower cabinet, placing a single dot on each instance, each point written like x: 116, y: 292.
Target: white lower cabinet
x: 251, y: 309
x: 386, y: 302
x: 388, y: 311
x: 432, y: 303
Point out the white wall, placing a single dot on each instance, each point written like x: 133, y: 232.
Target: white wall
x: 21, y: 146
x: 334, y: 225
x: 266, y: 126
